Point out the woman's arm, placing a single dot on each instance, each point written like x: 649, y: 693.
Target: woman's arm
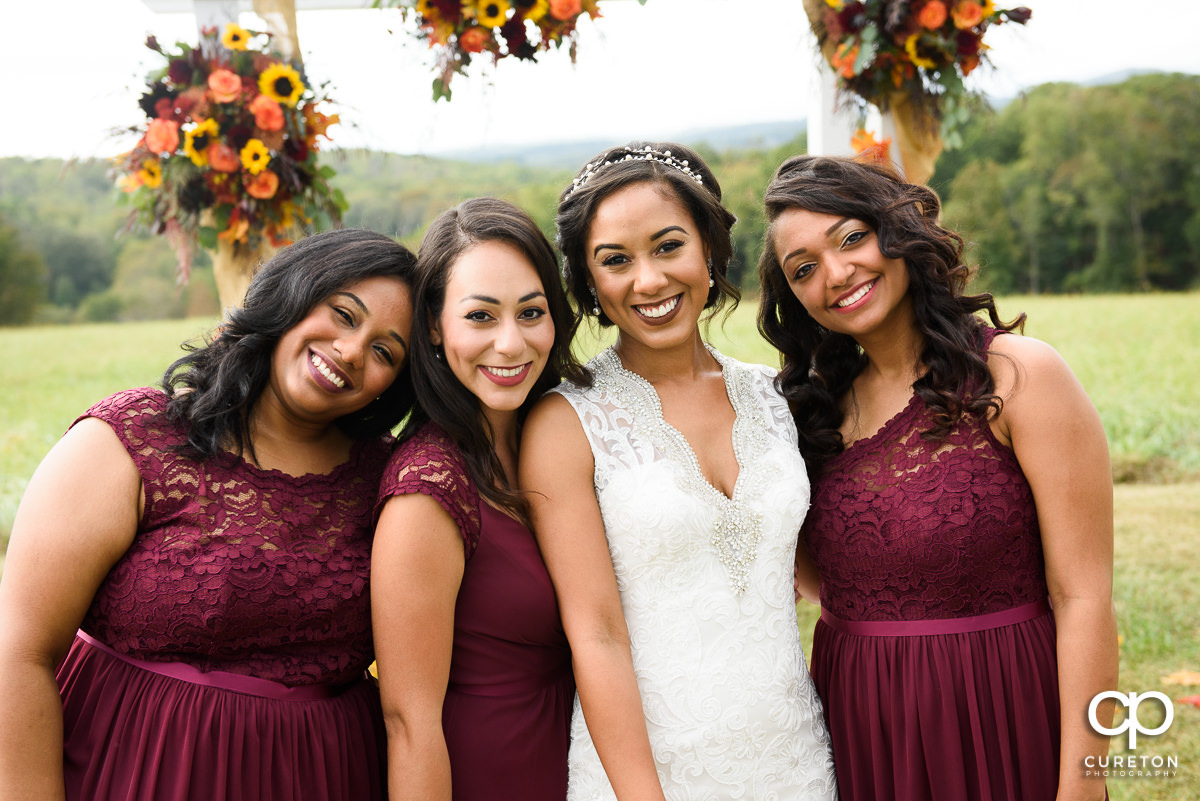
x: 557, y: 474
x: 806, y: 582
x: 417, y: 565
x: 1057, y: 436
x: 77, y: 517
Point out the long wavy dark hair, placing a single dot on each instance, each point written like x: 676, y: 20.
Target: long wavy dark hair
x: 619, y: 167
x: 441, y: 397
x: 225, y: 377
x: 818, y: 365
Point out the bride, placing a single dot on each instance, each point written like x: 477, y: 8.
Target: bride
x: 666, y: 498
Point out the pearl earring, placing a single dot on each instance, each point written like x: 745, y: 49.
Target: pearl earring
x: 711, y: 282
x: 595, y: 302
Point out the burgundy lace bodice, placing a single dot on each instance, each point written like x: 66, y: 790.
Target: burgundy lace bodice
x: 902, y: 528
x: 237, y: 568
x: 430, y: 463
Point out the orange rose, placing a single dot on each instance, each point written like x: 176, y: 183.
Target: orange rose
x: 843, y: 60
x: 162, y: 136
x: 967, y: 14
x: 223, y: 158
x: 267, y: 113
x: 261, y: 186
x: 565, y: 9
x: 932, y: 15
x: 225, y: 86
x: 474, y: 39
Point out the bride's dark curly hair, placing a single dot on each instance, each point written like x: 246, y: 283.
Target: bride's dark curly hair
x: 818, y: 365
x: 215, y: 386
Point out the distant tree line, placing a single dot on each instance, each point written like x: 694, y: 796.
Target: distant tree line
x: 1066, y: 189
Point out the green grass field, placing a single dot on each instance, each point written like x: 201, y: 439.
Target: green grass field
x: 1137, y: 356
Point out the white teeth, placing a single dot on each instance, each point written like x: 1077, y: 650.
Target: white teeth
x: 666, y: 307
x: 505, y: 372
x: 857, y: 296
x: 324, y: 370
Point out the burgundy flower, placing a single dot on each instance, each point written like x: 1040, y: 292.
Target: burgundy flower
x: 180, y: 72
x: 164, y: 108
x: 513, y: 32
x: 149, y: 101
x: 1018, y: 15
x: 968, y: 43
x: 238, y: 135
x: 853, y: 17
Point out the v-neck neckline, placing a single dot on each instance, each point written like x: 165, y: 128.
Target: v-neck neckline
x: 681, y: 441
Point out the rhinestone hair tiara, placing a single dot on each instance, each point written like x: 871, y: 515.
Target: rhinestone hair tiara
x: 646, y: 153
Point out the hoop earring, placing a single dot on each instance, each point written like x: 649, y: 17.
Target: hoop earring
x: 711, y: 282
x: 595, y: 302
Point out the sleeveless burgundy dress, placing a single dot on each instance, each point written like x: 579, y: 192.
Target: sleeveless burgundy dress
x: 224, y: 655
x: 935, y: 651
x: 507, y: 712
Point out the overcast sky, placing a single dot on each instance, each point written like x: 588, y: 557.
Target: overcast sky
x: 72, y: 70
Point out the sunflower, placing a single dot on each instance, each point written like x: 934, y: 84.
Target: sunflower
x: 197, y: 140
x: 492, y: 13
x: 911, y: 47
x: 537, y: 10
x: 151, y: 173
x: 282, y: 84
x: 235, y: 37
x: 427, y: 9
x: 255, y: 157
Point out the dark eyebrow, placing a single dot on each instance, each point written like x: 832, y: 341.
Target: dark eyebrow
x: 524, y: 299
x: 666, y: 231
x: 828, y: 231
x: 653, y: 237
x: 363, y: 308
x: 357, y: 301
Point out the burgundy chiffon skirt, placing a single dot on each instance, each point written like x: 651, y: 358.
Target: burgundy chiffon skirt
x: 971, y: 716
x: 138, y: 735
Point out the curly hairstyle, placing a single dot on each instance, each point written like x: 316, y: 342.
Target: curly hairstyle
x: 442, y: 397
x: 224, y: 378
x: 818, y: 365
x: 619, y: 167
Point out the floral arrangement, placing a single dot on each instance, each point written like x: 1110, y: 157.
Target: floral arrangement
x: 923, y: 48
x: 229, y: 149
x: 500, y: 28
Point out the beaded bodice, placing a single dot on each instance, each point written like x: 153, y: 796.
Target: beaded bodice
x: 237, y: 568
x: 627, y: 429
x: 904, y: 528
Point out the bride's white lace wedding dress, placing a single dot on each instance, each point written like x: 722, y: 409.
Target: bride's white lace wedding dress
x: 706, y: 586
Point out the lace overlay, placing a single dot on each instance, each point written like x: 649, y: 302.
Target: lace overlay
x: 706, y: 587
x: 902, y: 528
x: 236, y: 568
x: 430, y: 463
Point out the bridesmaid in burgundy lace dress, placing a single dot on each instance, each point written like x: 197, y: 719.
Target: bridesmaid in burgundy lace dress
x: 190, y: 563
x: 961, y: 520
x: 474, y: 667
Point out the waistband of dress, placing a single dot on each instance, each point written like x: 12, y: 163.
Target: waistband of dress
x: 950, y: 625
x: 523, y: 686
x: 221, y: 680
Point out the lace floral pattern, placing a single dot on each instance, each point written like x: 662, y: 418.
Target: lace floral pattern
x: 430, y: 463
x: 902, y: 528
x: 729, y: 704
x: 236, y: 568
